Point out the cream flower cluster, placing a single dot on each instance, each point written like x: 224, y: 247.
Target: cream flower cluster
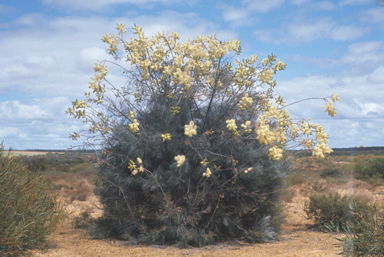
x: 245, y: 102
x: 275, y: 153
x: 266, y: 76
x: 190, y: 130
x: 133, y: 167
x: 321, y: 150
x: 131, y: 114
x: 231, y: 125
x: 330, y: 109
x: 166, y: 136
x: 134, y: 126
x: 248, y: 170
x: 246, y: 125
x: 180, y: 159
x: 207, y: 173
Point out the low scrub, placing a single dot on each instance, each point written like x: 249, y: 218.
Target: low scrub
x: 29, y: 210
x: 366, y: 238
x: 330, y: 172
x: 371, y: 168
x: 332, y: 210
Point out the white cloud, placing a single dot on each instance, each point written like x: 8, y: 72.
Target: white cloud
x: 365, y: 54
x: 360, y: 111
x: 374, y: 15
x: 60, y: 54
x: 261, y: 5
x: 240, y: 15
x: 342, y: 33
x: 237, y: 16
x: 353, y: 2
x: 310, y: 30
x: 6, y: 9
x: 377, y: 76
x: 300, y: 2
x: 88, y: 56
x: 101, y: 4
x: 30, y: 122
x: 324, y: 6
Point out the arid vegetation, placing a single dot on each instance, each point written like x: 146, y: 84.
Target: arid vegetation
x: 323, y: 200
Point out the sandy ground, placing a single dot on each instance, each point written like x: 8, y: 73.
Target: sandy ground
x: 296, y: 239
x: 30, y: 153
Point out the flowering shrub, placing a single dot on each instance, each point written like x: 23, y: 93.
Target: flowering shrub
x: 206, y: 135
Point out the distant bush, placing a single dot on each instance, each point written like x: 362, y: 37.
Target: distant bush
x: 330, y: 172
x: 366, y: 238
x: 79, y: 167
x: 332, y: 209
x: 29, y: 210
x: 35, y: 163
x: 372, y: 168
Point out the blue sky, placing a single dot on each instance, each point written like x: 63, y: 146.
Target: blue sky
x: 48, y: 49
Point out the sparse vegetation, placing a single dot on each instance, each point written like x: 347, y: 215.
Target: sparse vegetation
x: 364, y: 224
x: 29, y: 208
x: 366, y: 234
x: 332, y: 209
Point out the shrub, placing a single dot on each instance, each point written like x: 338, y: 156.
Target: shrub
x: 332, y: 210
x: 29, y: 210
x: 79, y: 167
x: 366, y: 238
x: 35, y: 163
x: 330, y: 172
x: 371, y: 168
x: 193, y: 146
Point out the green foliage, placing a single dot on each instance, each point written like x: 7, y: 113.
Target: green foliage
x: 330, y: 172
x: 29, y: 210
x: 35, y: 163
x: 366, y: 238
x: 178, y: 205
x: 80, y: 167
x: 332, y: 209
x: 61, y: 162
x: 371, y: 168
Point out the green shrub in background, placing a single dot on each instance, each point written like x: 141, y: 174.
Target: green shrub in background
x: 29, y: 210
x: 366, y: 238
x: 80, y: 167
x: 332, y: 210
x: 371, y: 168
x: 330, y: 172
x: 35, y: 163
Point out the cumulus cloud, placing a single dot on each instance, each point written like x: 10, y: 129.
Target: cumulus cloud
x: 342, y: 33
x: 310, y: 30
x: 261, y: 5
x: 300, y: 2
x: 6, y: 9
x: 363, y: 57
x: 241, y: 14
x: 357, y: 111
x: 63, y: 50
x: 373, y: 15
x: 100, y: 5
x: 353, y: 2
x: 37, y: 123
